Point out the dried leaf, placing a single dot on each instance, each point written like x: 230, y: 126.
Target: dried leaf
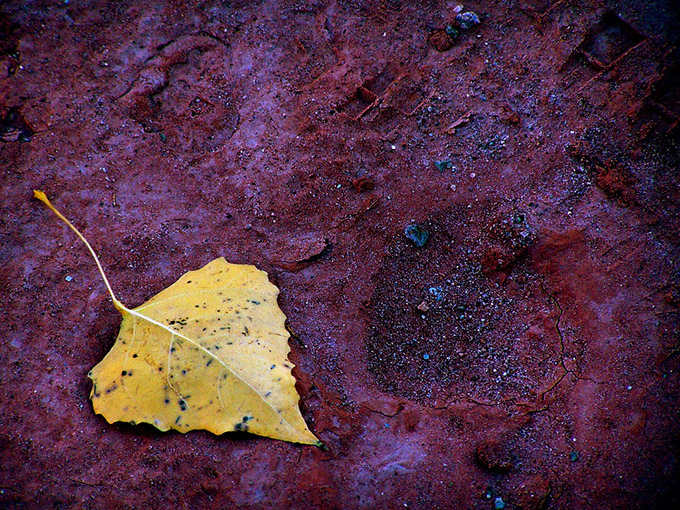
x: 209, y: 352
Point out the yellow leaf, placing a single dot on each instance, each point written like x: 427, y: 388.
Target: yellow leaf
x: 209, y: 352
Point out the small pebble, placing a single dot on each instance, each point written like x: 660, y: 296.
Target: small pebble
x: 443, y: 164
x: 426, y: 356
x: 417, y: 235
x: 467, y: 20
x: 451, y: 32
x: 437, y: 292
x: 69, y: 278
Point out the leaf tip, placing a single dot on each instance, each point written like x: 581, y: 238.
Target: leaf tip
x: 319, y: 444
x: 40, y: 196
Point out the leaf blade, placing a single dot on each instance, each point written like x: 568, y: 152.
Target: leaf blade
x: 225, y: 370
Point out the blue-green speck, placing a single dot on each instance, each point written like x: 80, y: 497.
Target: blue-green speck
x: 417, y: 235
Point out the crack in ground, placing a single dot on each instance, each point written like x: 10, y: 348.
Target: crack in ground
x: 400, y: 407
x: 567, y: 371
x: 509, y: 403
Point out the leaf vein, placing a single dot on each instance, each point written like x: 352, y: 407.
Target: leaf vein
x: 226, y: 367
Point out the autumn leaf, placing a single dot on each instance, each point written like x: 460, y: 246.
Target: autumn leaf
x: 209, y: 352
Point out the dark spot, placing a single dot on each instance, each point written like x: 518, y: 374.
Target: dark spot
x: 172, y: 349
x: 272, y: 367
x: 495, y: 455
x: 177, y: 420
x: 254, y: 302
x: 134, y: 355
x: 13, y: 127
x: 182, y: 405
x: 160, y: 369
x: 167, y: 400
x: 196, y: 306
x: 184, y: 372
x: 246, y: 332
x: 246, y: 418
x: 268, y: 393
x: 188, y: 281
x: 124, y: 372
x: 208, y: 363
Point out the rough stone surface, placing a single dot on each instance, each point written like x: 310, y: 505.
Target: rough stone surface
x: 302, y: 137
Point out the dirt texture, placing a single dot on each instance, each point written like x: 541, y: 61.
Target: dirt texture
x: 474, y: 227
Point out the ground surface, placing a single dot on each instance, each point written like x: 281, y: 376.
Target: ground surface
x: 526, y: 356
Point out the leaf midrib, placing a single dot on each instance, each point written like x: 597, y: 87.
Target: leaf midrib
x: 226, y: 367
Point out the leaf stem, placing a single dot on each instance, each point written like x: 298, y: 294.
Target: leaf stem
x: 43, y: 198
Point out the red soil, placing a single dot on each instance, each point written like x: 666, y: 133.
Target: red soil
x: 526, y: 355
